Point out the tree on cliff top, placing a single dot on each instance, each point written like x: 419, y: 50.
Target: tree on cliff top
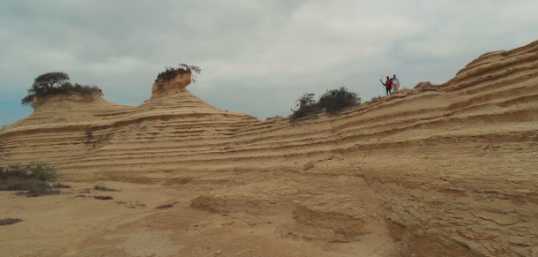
x: 55, y: 83
x: 332, y: 101
x: 171, y: 73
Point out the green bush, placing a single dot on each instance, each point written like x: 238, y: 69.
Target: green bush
x: 56, y: 83
x: 43, y: 171
x: 332, y: 101
x: 32, y: 178
x: 33, y: 187
x: 14, y: 171
x: 34, y: 170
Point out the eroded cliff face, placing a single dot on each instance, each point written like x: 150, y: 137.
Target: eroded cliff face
x: 444, y: 170
x: 180, y: 82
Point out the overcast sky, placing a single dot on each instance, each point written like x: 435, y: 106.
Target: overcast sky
x: 257, y: 57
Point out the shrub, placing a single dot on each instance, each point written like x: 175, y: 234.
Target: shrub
x: 14, y: 170
x: 33, y: 187
x: 307, y: 105
x: 332, y: 101
x: 34, y: 170
x: 89, y: 135
x: 101, y: 187
x: 55, y: 83
x: 43, y: 171
x: 171, y: 73
x: 31, y: 178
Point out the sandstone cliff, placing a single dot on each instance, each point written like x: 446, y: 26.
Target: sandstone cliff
x: 442, y: 170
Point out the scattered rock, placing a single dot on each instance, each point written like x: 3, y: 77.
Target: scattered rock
x: 9, y: 221
x: 101, y: 197
x: 164, y: 206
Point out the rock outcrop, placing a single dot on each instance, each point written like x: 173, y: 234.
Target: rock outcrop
x: 438, y: 170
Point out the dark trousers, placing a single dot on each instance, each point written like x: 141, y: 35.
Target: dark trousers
x: 389, y: 91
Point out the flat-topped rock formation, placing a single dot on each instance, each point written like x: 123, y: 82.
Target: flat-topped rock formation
x: 438, y: 170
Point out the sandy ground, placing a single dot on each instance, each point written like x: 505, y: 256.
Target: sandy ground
x: 237, y: 215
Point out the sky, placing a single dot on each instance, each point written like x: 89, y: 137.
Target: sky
x: 257, y: 57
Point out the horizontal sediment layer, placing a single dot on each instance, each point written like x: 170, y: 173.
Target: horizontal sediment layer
x: 489, y: 112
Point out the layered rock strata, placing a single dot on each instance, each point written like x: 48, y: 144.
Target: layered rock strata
x: 445, y: 170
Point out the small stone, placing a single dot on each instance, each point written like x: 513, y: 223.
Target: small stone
x: 467, y: 234
x: 309, y: 165
x: 497, y: 246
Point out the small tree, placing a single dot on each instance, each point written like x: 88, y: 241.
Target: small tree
x: 333, y: 101
x: 54, y: 83
x: 45, y: 84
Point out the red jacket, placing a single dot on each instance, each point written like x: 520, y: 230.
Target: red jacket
x: 389, y: 84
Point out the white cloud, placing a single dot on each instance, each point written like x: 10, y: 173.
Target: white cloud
x: 275, y: 50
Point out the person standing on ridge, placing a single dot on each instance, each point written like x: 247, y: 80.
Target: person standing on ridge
x: 395, y: 83
x: 388, y: 85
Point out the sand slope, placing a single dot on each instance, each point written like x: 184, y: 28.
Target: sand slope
x: 444, y: 170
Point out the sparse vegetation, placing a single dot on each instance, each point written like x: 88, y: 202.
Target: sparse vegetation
x: 104, y: 138
x: 377, y: 97
x: 171, y: 73
x: 56, y: 83
x: 89, y: 135
x: 332, y: 101
x: 131, y: 204
x: 307, y: 106
x: 33, y: 188
x: 33, y: 171
x: 102, y: 187
x: 32, y: 178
